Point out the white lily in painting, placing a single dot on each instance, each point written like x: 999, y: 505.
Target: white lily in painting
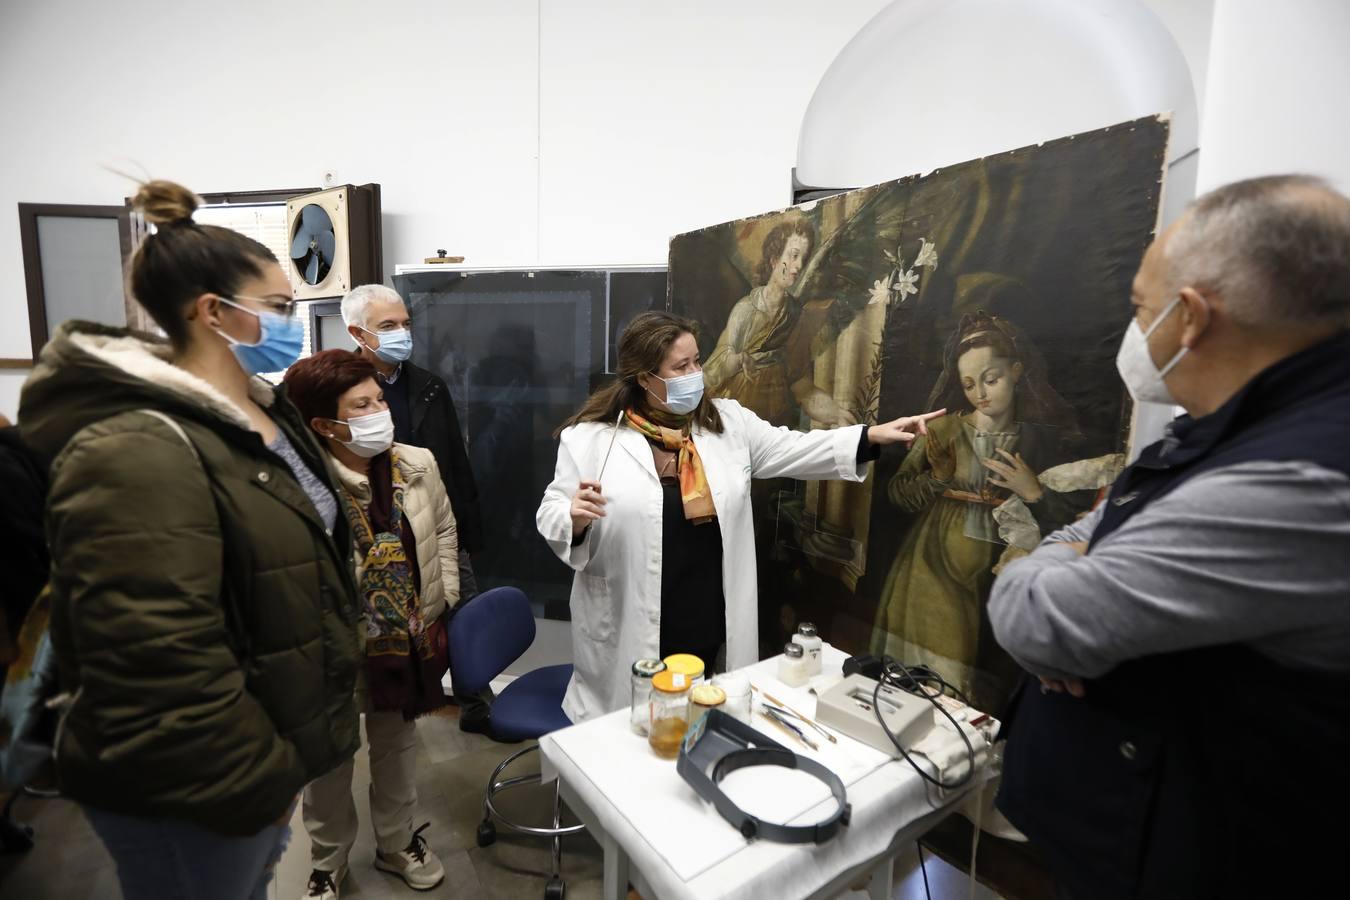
x: 927, y: 255
x: 905, y: 284
x: 880, y: 293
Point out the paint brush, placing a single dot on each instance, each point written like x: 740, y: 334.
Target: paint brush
x: 617, y: 423
x: 776, y: 702
x: 789, y: 730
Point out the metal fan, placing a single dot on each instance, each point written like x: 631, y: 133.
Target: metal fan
x: 335, y: 240
x: 313, y: 246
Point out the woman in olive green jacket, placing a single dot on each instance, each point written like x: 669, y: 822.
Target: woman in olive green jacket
x: 203, y: 618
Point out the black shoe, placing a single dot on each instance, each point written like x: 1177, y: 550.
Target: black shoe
x: 324, y: 885
x: 476, y: 724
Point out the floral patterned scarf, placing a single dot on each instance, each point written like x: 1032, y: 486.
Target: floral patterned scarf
x: 405, y: 656
x: 694, y: 490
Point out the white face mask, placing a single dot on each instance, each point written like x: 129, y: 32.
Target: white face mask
x: 1135, y: 364
x: 371, y: 435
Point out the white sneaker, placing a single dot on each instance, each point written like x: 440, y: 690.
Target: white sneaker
x: 324, y: 885
x: 415, y: 864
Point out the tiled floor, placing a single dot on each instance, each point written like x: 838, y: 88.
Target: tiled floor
x: 68, y: 862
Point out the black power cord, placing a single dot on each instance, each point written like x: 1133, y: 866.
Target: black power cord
x: 924, y: 869
x: 895, y: 674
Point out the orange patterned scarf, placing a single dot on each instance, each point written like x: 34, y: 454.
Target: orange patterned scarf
x: 694, y: 490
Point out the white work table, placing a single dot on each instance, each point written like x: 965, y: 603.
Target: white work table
x: 656, y: 831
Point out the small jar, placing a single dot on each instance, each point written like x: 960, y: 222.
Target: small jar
x: 640, y: 713
x: 811, y: 643
x: 669, y: 713
x: 737, y: 688
x: 792, y: 665
x: 704, y: 697
x: 686, y: 663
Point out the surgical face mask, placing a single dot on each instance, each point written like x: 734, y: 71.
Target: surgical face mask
x: 371, y: 435
x: 395, y: 346
x: 683, y: 393
x: 1143, y: 379
x: 280, y: 340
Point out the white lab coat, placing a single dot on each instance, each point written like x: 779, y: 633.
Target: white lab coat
x: 616, y: 592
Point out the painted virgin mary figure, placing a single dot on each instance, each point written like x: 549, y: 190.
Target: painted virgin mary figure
x: 1006, y: 424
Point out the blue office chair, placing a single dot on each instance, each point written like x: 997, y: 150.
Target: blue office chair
x: 487, y: 634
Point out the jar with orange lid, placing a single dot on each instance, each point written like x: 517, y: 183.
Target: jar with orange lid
x: 670, y: 713
x: 687, y: 663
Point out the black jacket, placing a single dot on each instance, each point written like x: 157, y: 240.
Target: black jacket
x: 1212, y: 772
x: 23, y: 491
x: 435, y: 425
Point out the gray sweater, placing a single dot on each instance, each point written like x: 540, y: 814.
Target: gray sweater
x: 1255, y: 554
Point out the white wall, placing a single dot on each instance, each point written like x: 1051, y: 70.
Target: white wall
x: 1278, y: 91
x: 1189, y: 22
x: 509, y: 131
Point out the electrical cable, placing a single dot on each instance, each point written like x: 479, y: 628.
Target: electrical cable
x: 975, y: 840
x: 891, y: 679
x: 924, y: 869
x: 920, y: 674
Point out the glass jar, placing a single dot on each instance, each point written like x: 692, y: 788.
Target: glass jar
x: 737, y: 688
x: 792, y: 669
x: 640, y: 713
x: 669, y: 713
x: 688, y: 664
x: 704, y: 697
x: 811, y: 643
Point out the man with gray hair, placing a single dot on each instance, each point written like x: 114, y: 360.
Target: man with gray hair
x: 1192, y: 634
x: 424, y: 416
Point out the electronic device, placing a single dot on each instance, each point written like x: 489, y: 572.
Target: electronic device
x: 849, y: 709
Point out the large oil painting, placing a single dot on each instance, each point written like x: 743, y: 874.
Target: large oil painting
x: 998, y: 289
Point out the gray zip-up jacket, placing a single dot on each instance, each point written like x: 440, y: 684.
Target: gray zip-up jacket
x: 1256, y: 554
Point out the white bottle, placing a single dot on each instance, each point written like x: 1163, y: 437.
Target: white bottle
x: 811, y: 643
x: 792, y: 666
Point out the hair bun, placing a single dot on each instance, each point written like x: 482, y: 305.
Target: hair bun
x: 165, y: 203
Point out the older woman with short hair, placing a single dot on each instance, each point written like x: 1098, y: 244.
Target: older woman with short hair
x: 406, y: 550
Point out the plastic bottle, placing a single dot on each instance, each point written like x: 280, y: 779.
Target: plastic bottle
x: 792, y: 669
x: 811, y: 645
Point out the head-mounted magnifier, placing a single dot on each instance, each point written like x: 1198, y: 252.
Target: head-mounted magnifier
x: 718, y: 744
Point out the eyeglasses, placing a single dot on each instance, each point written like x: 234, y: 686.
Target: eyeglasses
x: 285, y: 308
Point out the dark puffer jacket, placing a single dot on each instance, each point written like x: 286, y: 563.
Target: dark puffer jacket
x: 201, y: 613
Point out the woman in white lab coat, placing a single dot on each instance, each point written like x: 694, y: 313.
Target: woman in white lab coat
x: 659, y: 531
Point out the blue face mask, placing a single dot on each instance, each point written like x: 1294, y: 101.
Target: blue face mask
x: 395, y: 346
x: 683, y: 393
x: 280, y: 341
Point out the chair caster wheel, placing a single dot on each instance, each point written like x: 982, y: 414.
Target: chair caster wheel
x: 555, y: 889
x: 487, y: 835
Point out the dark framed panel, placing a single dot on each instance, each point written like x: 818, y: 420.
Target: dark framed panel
x: 326, y: 328
x: 254, y: 198
x: 518, y: 351
x: 629, y: 293
x: 73, y: 263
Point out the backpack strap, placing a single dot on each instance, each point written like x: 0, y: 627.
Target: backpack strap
x: 233, y: 614
x: 178, y: 429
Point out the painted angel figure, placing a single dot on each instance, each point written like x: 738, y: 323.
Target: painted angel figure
x: 765, y: 356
